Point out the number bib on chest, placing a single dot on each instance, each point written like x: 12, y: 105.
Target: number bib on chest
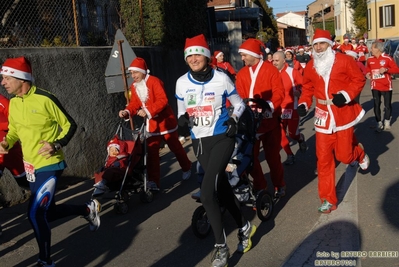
x: 30, y: 172
x: 377, y: 75
x: 203, y: 115
x: 286, y: 114
x: 320, y: 117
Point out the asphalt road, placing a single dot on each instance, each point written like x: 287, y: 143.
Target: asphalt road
x: 363, y: 231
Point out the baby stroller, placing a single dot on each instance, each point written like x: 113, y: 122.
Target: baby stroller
x: 125, y: 173
x: 241, y: 163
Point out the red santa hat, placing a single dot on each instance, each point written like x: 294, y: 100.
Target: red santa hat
x: 113, y: 144
x: 361, y: 41
x: 17, y: 67
x: 300, y: 48
x: 138, y: 64
x: 252, y: 47
x: 217, y: 54
x: 351, y: 53
x: 322, y: 36
x: 197, y: 46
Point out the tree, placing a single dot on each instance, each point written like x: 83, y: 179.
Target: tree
x: 163, y: 22
x: 359, y: 15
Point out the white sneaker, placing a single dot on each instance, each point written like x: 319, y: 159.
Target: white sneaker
x: 93, y: 218
x: 380, y: 126
x: 387, y: 124
x: 182, y: 139
x: 186, y: 175
x: 365, y: 162
x: 196, y: 195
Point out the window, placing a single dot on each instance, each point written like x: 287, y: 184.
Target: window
x: 369, y: 19
x: 387, y: 16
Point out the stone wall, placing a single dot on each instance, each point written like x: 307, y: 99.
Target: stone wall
x: 76, y: 77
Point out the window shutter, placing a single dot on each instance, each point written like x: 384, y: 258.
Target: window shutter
x: 381, y: 16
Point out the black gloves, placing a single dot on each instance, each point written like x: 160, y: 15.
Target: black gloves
x: 301, y: 109
x: 231, y: 127
x: 338, y: 99
x: 183, y: 120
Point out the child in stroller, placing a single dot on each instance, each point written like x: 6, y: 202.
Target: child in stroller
x: 114, y: 168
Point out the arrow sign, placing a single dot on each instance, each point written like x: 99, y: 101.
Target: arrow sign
x: 113, y: 73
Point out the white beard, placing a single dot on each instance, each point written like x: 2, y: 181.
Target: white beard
x: 324, y: 61
x: 142, y: 90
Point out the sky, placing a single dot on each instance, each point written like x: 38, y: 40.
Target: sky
x: 281, y: 6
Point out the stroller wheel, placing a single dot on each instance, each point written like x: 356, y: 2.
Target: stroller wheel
x: 146, y: 197
x: 121, y: 207
x: 199, y: 223
x: 264, y: 205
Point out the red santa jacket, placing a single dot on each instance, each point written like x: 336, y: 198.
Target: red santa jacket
x: 292, y: 80
x: 4, y: 103
x: 343, y: 47
x: 381, y: 82
x: 160, y: 117
x: 226, y: 66
x: 362, y: 50
x: 346, y: 78
x: 268, y: 86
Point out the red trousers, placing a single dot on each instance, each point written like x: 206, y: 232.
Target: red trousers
x: 290, y: 126
x: 345, y: 147
x: 153, y: 162
x: 271, y: 142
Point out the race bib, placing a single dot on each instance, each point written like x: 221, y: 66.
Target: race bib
x: 203, y: 116
x: 377, y: 75
x: 361, y: 54
x: 320, y: 117
x: 30, y: 172
x: 286, y: 114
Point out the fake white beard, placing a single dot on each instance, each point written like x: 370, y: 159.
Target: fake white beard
x: 142, y: 90
x: 324, y: 61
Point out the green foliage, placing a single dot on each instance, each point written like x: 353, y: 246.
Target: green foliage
x: 359, y: 15
x: 163, y: 22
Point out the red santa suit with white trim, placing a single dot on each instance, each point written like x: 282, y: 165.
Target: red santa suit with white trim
x: 13, y: 160
x: 263, y: 80
x: 334, y: 84
x: 149, y: 96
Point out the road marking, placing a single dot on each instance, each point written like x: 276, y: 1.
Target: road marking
x: 335, y: 232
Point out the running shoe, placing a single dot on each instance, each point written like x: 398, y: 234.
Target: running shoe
x: 151, y: 185
x: 220, y: 256
x: 196, y: 195
x: 279, y: 191
x: 302, y: 144
x: 93, y: 218
x: 380, y: 126
x: 244, y: 238
x: 41, y: 263
x: 365, y: 162
x: 186, y: 175
x: 290, y: 160
x: 327, y: 207
x: 387, y: 124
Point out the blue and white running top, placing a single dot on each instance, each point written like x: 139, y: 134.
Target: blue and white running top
x: 205, y: 102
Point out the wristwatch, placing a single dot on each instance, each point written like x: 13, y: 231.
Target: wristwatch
x: 57, y: 146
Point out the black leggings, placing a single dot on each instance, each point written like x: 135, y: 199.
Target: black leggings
x: 214, y: 153
x: 387, y: 104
